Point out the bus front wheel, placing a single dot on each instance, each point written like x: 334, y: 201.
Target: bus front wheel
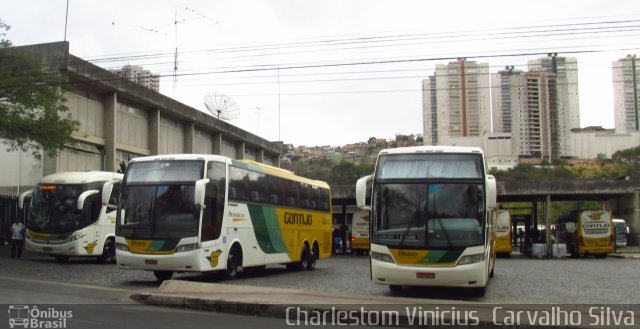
x: 163, y: 275
x: 108, y: 253
x: 232, y: 267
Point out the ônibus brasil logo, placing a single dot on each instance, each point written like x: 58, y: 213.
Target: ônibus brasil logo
x: 25, y: 316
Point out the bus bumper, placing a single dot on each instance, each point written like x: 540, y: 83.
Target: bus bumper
x: 471, y: 275
x: 73, y: 248
x: 188, y: 261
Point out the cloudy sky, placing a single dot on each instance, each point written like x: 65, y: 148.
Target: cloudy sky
x: 332, y: 72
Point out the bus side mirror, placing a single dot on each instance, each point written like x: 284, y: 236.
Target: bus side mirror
x: 492, y: 194
x: 23, y: 196
x: 107, y: 189
x: 361, y: 192
x: 200, y: 190
x: 84, y: 197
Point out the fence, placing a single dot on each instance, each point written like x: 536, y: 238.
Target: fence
x: 8, y: 211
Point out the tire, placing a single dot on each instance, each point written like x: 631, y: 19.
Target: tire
x: 62, y: 259
x: 305, y: 258
x: 108, y: 253
x: 163, y: 275
x: 231, y: 272
x: 313, y: 256
x: 491, y: 273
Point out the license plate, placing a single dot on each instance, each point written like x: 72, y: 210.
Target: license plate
x: 422, y: 275
x: 151, y: 261
x: 47, y: 249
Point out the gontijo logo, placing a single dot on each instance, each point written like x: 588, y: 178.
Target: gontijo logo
x: 296, y: 218
x: 31, y: 317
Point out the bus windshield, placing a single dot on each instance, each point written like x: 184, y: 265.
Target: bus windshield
x: 54, y: 209
x: 429, y: 215
x: 158, y: 201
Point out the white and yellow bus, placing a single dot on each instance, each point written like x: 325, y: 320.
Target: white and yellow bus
x: 66, y: 217
x: 201, y: 213
x: 502, y: 231
x: 430, y: 217
x: 588, y: 232
x: 360, y: 232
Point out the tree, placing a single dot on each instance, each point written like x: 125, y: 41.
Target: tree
x: 33, y: 117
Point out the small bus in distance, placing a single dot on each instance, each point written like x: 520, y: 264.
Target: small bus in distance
x: 503, y: 233
x: 588, y: 232
x: 360, y: 232
x: 621, y: 230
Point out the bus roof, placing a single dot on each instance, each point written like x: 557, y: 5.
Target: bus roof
x: 283, y: 173
x: 271, y: 170
x: 79, y: 177
x: 432, y: 149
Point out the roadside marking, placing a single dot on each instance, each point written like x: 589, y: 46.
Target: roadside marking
x: 57, y: 283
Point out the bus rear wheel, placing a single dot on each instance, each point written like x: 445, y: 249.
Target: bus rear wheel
x: 313, y: 256
x: 163, y: 275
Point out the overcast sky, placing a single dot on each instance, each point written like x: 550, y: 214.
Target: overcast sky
x: 332, y: 72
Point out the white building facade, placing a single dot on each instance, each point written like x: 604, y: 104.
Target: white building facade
x: 625, y: 94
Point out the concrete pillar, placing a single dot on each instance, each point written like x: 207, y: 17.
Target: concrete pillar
x: 216, y: 143
x: 240, y: 151
x: 260, y: 156
x: 189, y: 137
x: 547, y: 216
x: 154, y: 131
x: 110, y: 115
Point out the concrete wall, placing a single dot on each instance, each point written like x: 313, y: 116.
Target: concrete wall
x: 120, y: 119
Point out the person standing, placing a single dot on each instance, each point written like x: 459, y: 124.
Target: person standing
x: 17, y: 239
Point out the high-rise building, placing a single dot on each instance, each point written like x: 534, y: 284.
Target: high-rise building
x: 501, y: 100
x: 456, y: 102
x: 539, y: 107
x: 625, y: 94
x: 139, y: 75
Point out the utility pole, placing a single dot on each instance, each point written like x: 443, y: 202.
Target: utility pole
x: 635, y: 90
x: 66, y: 18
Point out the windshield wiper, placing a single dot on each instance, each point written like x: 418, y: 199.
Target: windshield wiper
x: 413, y: 220
x: 444, y: 231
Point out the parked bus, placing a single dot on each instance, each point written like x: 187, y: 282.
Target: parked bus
x: 503, y: 232
x: 620, y: 230
x: 360, y: 232
x: 588, y: 232
x: 430, y: 217
x: 201, y: 213
x: 66, y: 217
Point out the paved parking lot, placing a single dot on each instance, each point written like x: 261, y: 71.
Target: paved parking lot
x: 517, y: 279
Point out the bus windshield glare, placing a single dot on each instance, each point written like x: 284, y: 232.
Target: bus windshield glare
x: 157, y: 200
x: 53, y: 209
x: 433, y: 201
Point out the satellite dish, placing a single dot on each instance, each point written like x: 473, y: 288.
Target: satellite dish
x: 222, y: 106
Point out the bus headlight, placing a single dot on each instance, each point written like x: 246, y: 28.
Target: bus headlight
x: 471, y: 259
x: 122, y: 246
x: 186, y: 247
x: 76, y: 236
x: 382, y: 257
